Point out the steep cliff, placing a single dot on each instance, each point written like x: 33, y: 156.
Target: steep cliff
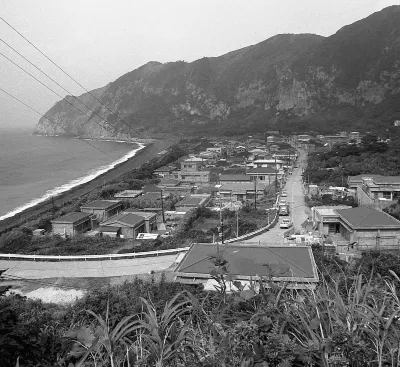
x: 350, y: 80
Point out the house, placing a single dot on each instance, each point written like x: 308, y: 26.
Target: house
x: 369, y: 228
x: 292, y: 264
x: 131, y: 224
x: 175, y: 187
x: 128, y: 194
x: 151, y: 188
x: 102, y: 209
x: 326, y: 220
x: 192, y: 172
x: 274, y: 163
x: 265, y: 174
x: 150, y: 218
x: 168, y: 182
x: 382, y: 187
x: 71, y: 224
x: 192, y: 202
x: 164, y: 171
x: 233, y: 178
x: 217, y: 150
x: 354, y: 181
x: 238, y: 161
x: 241, y: 191
x: 240, y: 149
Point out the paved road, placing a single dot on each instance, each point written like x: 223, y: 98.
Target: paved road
x: 86, y: 269
x: 297, y: 208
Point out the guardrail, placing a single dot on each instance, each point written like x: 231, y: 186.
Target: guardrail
x: 259, y: 231
x: 132, y: 255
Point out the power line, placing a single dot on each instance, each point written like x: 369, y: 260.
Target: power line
x: 54, y: 81
x: 54, y: 122
x: 69, y: 76
x: 90, y: 93
x: 52, y: 90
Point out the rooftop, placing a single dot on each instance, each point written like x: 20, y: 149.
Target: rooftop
x: 72, y: 217
x: 169, y: 181
x: 128, y: 194
x: 128, y: 219
x: 242, y: 186
x: 369, y: 218
x: 360, y: 178
x: 388, y: 180
x: 237, y: 177
x: 245, y: 261
x: 262, y: 170
x: 192, y: 201
x: 261, y: 161
x: 330, y: 210
x: 101, y: 204
x: 145, y: 215
x: 151, y: 188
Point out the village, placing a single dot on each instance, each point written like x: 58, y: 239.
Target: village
x: 211, y: 190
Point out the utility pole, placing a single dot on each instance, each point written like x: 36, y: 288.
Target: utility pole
x: 255, y: 192
x: 276, y: 174
x: 237, y: 223
x: 221, y: 222
x: 162, y: 206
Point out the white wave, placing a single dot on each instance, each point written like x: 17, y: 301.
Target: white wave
x: 81, y: 180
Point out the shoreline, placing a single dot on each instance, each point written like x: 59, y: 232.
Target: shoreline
x: 56, y: 191
x: 143, y: 155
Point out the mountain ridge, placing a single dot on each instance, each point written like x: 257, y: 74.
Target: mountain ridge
x: 289, y: 82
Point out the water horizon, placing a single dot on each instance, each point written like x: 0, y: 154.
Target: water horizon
x: 60, y: 164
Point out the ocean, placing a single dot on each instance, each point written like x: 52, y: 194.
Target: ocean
x: 34, y: 168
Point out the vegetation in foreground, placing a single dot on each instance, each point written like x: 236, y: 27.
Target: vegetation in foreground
x: 351, y: 319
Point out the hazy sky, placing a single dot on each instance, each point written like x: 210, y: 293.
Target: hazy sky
x: 96, y: 41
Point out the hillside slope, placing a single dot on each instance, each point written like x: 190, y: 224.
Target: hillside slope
x: 350, y: 80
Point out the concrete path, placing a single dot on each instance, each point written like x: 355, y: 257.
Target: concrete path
x: 297, y: 208
x: 86, y: 269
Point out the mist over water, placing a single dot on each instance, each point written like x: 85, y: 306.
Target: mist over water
x: 34, y: 168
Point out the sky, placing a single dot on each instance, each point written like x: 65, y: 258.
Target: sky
x: 97, y: 41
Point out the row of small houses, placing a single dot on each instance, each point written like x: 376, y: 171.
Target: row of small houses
x: 108, y: 218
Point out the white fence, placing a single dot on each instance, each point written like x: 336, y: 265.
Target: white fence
x: 132, y: 255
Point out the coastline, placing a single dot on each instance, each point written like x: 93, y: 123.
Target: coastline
x: 142, y: 156
x: 71, y: 184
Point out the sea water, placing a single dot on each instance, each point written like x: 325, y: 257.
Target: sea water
x: 34, y: 168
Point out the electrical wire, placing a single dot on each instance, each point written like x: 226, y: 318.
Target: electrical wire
x: 69, y: 76
x: 56, y: 93
x: 73, y: 79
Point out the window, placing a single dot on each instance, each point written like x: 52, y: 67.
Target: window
x: 387, y: 195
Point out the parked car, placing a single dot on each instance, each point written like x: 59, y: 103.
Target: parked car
x: 284, y: 194
x: 286, y: 223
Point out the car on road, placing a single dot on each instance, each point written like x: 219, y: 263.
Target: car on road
x: 286, y: 223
